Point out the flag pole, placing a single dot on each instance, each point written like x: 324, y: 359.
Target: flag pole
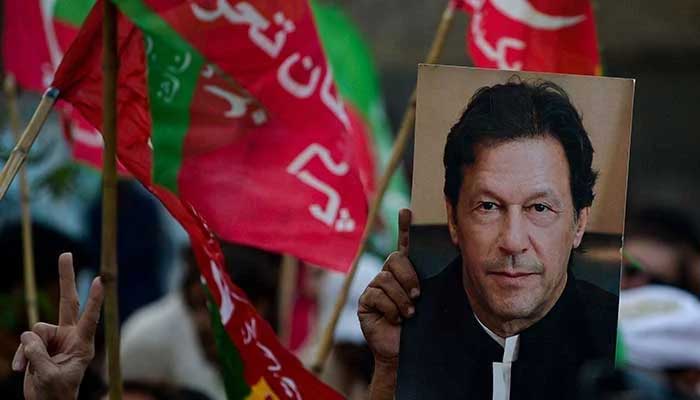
x: 27, y: 245
x: 289, y: 273
x: 21, y: 149
x: 402, y: 137
x: 108, y: 256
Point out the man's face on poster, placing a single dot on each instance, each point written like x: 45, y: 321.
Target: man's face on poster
x: 515, y: 226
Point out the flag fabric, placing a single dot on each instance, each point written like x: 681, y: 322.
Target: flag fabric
x: 177, y: 114
x: 267, y: 157
x: 67, y: 17
x: 281, y: 176
x: 358, y: 84
x: 83, y: 139
x: 255, y: 365
x: 36, y: 33
x: 533, y: 35
x: 28, y: 53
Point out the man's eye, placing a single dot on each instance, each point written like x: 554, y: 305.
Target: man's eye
x: 539, y: 207
x: 488, y: 206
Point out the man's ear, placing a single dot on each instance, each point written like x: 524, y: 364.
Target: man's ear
x: 451, y: 221
x: 581, y: 222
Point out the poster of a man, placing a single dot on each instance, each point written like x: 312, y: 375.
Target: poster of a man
x: 488, y: 296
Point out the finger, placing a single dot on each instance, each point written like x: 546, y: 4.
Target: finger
x: 375, y: 299
x: 402, y: 269
x: 91, y: 316
x: 386, y: 281
x: 19, y: 361
x: 69, y: 306
x: 35, y: 351
x: 46, y: 332
x: 404, y: 225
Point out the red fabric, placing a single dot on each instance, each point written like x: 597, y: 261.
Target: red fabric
x: 80, y: 80
x: 533, y: 35
x: 85, y: 141
x: 264, y: 357
x: 364, y: 151
x: 25, y: 51
x: 316, y: 211
x: 32, y: 49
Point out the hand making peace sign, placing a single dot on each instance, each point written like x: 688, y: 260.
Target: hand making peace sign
x: 54, y: 358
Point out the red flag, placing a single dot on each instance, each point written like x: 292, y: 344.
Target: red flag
x: 270, y: 164
x: 35, y: 35
x: 268, y: 370
x: 26, y: 49
x: 533, y: 35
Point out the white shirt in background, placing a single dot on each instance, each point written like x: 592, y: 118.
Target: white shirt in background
x: 159, y: 344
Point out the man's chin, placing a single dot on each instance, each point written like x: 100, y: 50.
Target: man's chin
x: 513, y: 308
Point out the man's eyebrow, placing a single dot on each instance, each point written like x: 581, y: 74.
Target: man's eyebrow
x: 487, y: 193
x: 548, y: 194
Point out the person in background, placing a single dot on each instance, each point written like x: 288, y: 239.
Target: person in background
x: 171, y: 341
x: 167, y: 342
x: 661, y: 331
x: 140, y: 245
x: 350, y: 364
x: 661, y: 246
x: 257, y: 272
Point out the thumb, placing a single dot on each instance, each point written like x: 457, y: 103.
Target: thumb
x: 35, y: 351
x: 404, y: 227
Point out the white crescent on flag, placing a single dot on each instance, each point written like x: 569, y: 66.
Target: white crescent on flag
x: 522, y: 11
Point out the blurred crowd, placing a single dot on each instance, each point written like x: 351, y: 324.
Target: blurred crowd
x: 659, y: 321
x: 168, y: 348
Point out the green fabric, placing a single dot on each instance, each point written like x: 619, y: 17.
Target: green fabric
x: 620, y: 355
x: 170, y: 116
x: 358, y: 83
x: 72, y: 12
x: 230, y: 359
x: 174, y: 67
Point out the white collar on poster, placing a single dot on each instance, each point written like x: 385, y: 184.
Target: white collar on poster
x: 502, y: 370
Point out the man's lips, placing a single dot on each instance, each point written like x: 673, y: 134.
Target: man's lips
x: 508, y: 274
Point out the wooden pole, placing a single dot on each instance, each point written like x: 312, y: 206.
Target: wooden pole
x: 27, y: 245
x: 21, y: 149
x: 108, y: 259
x: 402, y: 137
x: 285, y: 303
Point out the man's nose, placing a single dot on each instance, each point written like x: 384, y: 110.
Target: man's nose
x: 514, y: 237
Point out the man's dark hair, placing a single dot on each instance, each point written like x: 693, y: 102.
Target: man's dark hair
x: 519, y: 110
